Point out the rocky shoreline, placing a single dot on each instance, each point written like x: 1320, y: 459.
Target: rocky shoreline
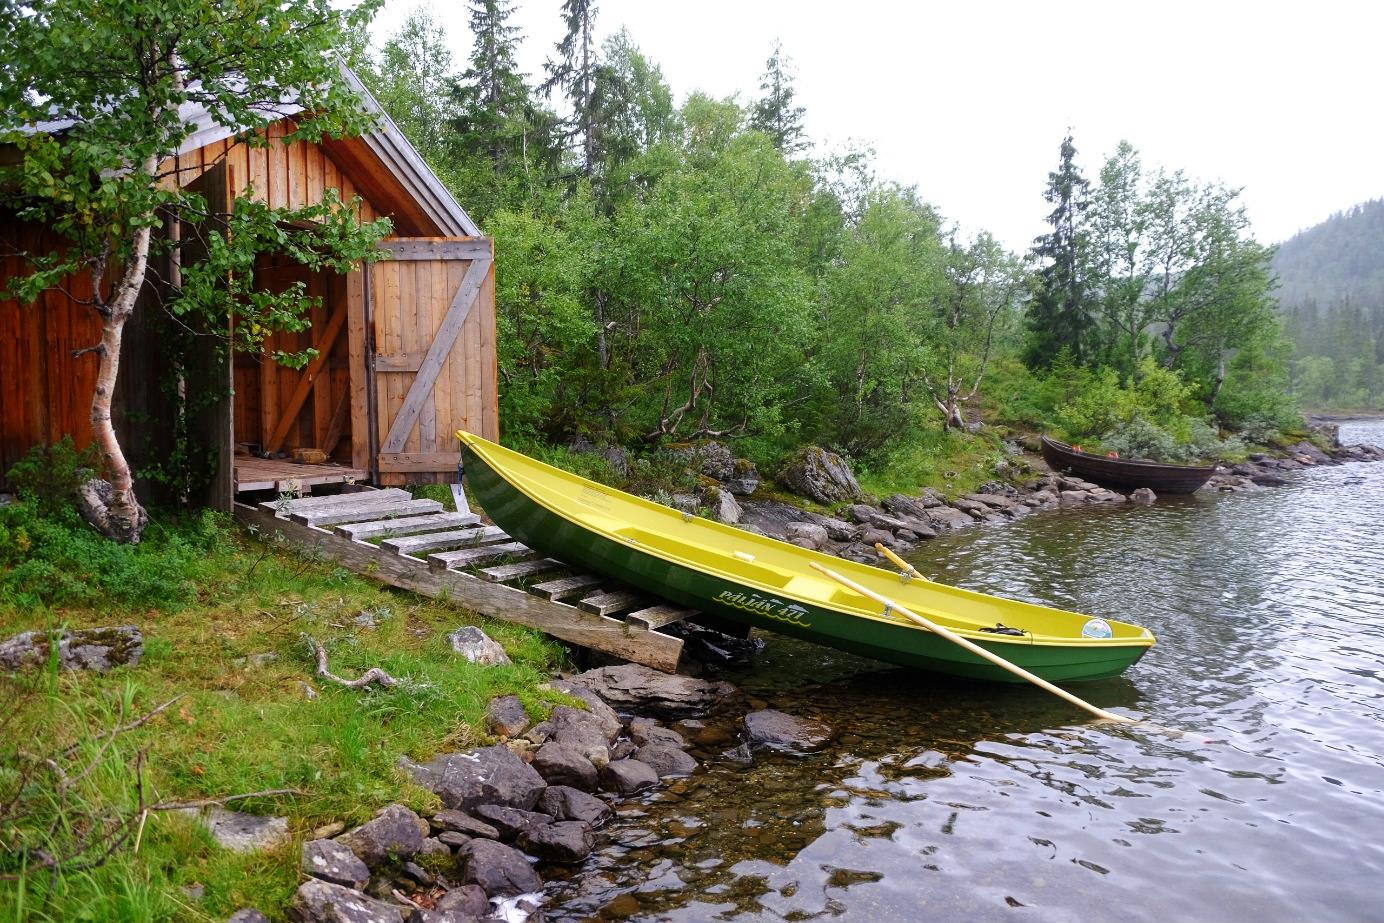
x: 530, y: 805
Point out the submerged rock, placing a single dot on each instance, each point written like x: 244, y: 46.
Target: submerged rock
x: 1144, y: 496
x: 98, y: 649
x: 819, y: 475
x: 780, y: 731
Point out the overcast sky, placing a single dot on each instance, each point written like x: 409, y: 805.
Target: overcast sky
x: 969, y: 101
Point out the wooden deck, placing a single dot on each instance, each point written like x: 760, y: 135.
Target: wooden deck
x: 285, y: 476
x: 415, y: 545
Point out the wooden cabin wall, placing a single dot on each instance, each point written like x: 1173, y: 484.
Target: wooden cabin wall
x: 45, y: 391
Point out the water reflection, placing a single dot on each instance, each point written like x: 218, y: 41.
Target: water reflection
x: 976, y: 802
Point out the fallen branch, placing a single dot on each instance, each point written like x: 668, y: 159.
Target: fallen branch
x: 208, y: 802
x: 372, y: 675
x: 115, y: 731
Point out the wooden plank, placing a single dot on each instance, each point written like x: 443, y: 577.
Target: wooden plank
x: 278, y: 166
x: 438, y: 351
x: 612, y: 602
x: 322, y: 312
x: 467, y: 557
x: 356, y: 367
x: 651, y: 648
x: 565, y: 587
x: 366, y: 512
x: 658, y: 616
x: 502, y: 572
x: 411, y: 339
x: 316, y: 504
x: 338, y: 423
x: 437, y: 248
x: 453, y: 539
x: 406, y: 362
x: 384, y: 528
x: 309, y: 376
x: 419, y: 461
x: 427, y: 302
x: 297, y: 174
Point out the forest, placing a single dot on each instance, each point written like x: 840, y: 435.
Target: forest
x: 1331, y: 289
x: 681, y: 271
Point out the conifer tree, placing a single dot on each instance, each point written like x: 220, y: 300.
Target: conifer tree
x: 774, y: 112
x: 1058, y: 313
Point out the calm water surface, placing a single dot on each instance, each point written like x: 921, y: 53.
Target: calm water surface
x: 947, y: 801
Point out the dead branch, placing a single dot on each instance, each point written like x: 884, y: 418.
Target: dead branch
x: 221, y: 802
x: 138, y: 722
x: 372, y: 675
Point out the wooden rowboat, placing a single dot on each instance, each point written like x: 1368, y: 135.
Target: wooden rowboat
x: 1129, y: 474
x: 759, y: 581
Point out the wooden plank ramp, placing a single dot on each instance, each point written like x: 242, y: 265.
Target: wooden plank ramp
x: 390, y: 537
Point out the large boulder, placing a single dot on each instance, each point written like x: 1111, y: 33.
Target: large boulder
x: 636, y: 688
x: 499, y: 870
x: 332, y: 861
x: 744, y: 480
x: 319, y: 901
x: 819, y: 475
x: 722, y: 505
x: 566, y: 803
x: 393, y: 833
x: 489, y: 775
x: 709, y: 458
x: 98, y: 649
x: 780, y: 731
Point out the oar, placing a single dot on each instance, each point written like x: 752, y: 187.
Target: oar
x: 974, y: 648
x: 908, y: 569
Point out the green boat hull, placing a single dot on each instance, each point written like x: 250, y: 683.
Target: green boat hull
x: 555, y: 536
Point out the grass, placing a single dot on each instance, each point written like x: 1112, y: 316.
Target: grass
x: 223, y: 628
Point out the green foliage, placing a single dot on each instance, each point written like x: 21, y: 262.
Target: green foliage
x: 48, y: 476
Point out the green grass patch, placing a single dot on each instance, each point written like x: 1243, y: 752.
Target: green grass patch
x: 223, y: 615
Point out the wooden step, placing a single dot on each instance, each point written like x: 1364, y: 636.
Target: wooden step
x: 446, y: 560
x: 658, y: 616
x: 451, y: 539
x: 287, y: 507
x: 367, y: 511
x: 564, y: 587
x: 612, y: 602
x: 384, y: 528
x: 503, y: 572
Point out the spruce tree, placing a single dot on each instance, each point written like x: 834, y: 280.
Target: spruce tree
x: 575, y: 74
x: 774, y: 112
x: 1058, y: 316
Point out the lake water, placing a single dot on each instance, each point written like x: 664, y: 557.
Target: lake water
x: 946, y: 801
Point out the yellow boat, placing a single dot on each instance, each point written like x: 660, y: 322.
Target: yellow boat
x: 769, y: 584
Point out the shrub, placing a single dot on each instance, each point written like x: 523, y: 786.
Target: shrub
x: 50, y: 475
x: 1138, y: 438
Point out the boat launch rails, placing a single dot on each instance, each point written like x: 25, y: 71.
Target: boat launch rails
x: 417, y: 545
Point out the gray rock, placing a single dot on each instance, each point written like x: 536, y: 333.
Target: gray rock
x: 838, y: 530
x: 642, y: 689
x: 1073, y: 497
x: 994, y: 501
x: 967, y: 505
x: 505, y: 716
x: 623, y: 749
x: 738, y: 756
x: 626, y: 777
x: 559, y: 764
x: 477, y: 646
x: 511, y: 822
x: 666, y: 761
x: 565, y: 841
x: 807, y: 534
x: 572, y: 729
x: 242, y: 832
x: 648, y: 731
x: 872, y: 536
x: 489, y: 775
x: 1143, y: 496
x: 779, y: 731
x: 1265, y: 479
x: 684, y: 503
x: 946, y: 519
x: 709, y: 458
x: 432, y: 846
x: 454, y: 840
x: 1310, y: 451
x: 419, y: 915
x: 499, y: 870
x: 596, y: 708
x: 332, y: 861
x: 461, y: 822
x: 247, y: 915
x: 744, y: 479
x: 394, y: 832
x: 323, y: 902
x: 916, y: 507
x: 98, y: 649
x: 819, y: 475
x: 468, y: 899
x: 722, y: 505
x: 566, y: 803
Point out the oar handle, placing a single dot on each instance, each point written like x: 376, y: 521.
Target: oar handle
x: 908, y: 569
x: 971, y: 646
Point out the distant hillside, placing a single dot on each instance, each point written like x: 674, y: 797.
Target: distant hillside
x: 1331, y: 288
x: 1341, y: 257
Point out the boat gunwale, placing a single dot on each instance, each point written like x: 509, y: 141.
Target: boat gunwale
x: 1140, y: 462
x: 1029, y: 639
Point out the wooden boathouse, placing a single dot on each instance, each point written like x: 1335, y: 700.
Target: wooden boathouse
x: 406, y: 345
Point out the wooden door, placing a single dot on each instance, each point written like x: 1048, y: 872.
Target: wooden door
x: 431, y: 322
